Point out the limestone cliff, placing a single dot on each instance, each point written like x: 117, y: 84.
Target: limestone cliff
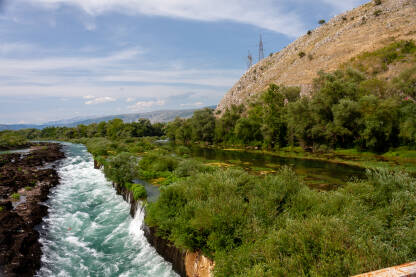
x: 363, y: 29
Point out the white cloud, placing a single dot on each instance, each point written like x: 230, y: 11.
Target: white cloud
x: 130, y: 99
x: 196, y: 104
x: 267, y: 14
x: 72, y: 63
x: 88, y: 97
x: 142, y: 105
x: 100, y: 100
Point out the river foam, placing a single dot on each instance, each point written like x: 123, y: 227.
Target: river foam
x: 89, y: 231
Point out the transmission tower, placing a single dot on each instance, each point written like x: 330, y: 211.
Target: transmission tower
x: 261, y: 50
x: 249, y: 60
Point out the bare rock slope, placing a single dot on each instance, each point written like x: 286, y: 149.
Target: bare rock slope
x: 364, y: 29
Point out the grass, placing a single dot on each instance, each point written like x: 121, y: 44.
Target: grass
x: 27, y: 188
x: 1, y: 208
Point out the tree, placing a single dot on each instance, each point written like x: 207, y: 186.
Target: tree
x: 203, y: 125
x: 114, y: 127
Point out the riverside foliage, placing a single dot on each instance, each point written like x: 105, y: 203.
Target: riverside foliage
x: 350, y: 107
x: 277, y: 226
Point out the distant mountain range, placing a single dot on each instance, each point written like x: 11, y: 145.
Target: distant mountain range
x: 155, y: 116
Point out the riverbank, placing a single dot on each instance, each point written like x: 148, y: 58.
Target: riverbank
x: 185, y: 263
x: 25, y: 181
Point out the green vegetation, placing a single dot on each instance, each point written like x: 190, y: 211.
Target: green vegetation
x: 139, y: 192
x: 302, y: 54
x: 27, y: 188
x: 15, y: 196
x: 1, y: 208
x: 322, y: 21
x: 11, y: 140
x: 377, y: 2
x: 114, y: 129
x: 348, y: 108
x: 277, y: 226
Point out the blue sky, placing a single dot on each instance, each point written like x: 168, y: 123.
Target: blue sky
x: 67, y: 58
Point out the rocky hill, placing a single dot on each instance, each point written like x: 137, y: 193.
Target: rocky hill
x: 364, y: 29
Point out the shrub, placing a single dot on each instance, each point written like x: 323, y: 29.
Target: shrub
x: 15, y: 196
x: 377, y: 12
x: 27, y: 188
x: 302, y: 54
x: 138, y: 191
x: 182, y: 150
x: 377, y: 2
x: 322, y: 21
x: 121, y: 168
x: 276, y: 226
x: 189, y: 167
x: 309, y: 32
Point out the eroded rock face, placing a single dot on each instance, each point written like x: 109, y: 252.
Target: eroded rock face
x: 167, y: 250
x: 20, y: 250
x: 366, y: 28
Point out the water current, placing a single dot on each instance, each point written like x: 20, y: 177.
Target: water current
x: 89, y: 231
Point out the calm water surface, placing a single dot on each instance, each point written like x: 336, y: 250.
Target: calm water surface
x: 319, y: 174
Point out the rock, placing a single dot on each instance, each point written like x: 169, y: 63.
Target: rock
x: 20, y: 250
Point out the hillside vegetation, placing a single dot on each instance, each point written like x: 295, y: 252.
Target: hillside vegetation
x: 364, y: 29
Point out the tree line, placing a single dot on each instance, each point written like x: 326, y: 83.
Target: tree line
x: 346, y: 108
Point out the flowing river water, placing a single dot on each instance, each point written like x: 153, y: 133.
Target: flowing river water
x: 89, y: 231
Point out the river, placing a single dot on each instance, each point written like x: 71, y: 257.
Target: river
x: 89, y: 231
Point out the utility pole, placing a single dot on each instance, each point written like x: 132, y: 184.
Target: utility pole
x: 249, y: 60
x: 261, y: 50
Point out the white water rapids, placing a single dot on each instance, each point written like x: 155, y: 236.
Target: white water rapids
x: 89, y: 231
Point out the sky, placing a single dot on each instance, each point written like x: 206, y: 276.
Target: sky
x: 62, y: 59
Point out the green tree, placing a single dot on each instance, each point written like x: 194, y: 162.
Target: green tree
x: 203, y: 125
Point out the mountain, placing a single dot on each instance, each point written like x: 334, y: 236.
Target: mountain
x: 364, y: 29
x: 155, y: 116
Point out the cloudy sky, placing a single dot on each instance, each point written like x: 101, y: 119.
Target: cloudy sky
x: 68, y: 58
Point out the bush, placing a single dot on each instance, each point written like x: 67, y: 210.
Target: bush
x: 276, y: 226
x: 301, y: 54
x: 377, y: 2
x: 11, y: 140
x: 189, y: 167
x: 15, y: 196
x: 182, y: 150
x: 377, y: 12
x: 322, y: 21
x: 122, y: 168
x: 138, y: 191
